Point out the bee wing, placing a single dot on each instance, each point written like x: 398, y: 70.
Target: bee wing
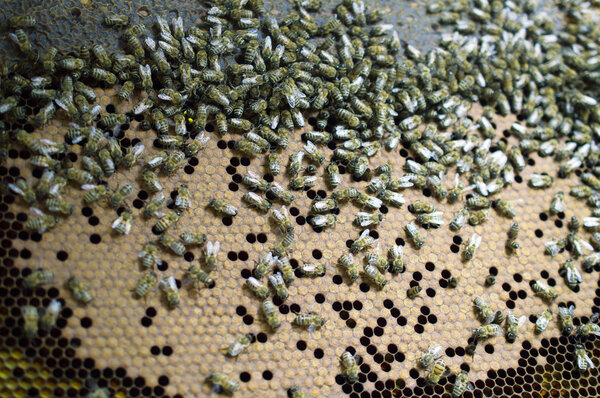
x: 117, y: 222
x: 589, y: 361
x: 16, y: 189
x: 253, y: 175
x: 475, y: 239
x: 138, y: 149
x: 37, y: 211
x: 571, y: 310
x: 436, y: 350
x: 273, y: 279
x: 364, y: 234
x: 586, y: 245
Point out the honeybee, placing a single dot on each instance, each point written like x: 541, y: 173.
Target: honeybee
x: 565, y: 317
x: 222, y: 207
x: 22, y: 21
x: 145, y: 284
x: 582, y: 359
x: 486, y: 331
x: 312, y: 270
x: 350, y: 367
x: 282, y: 220
x: 313, y: 154
x: 414, y: 291
x: 42, y: 222
x: 366, y: 219
x: 38, y: 277
x: 183, y: 200
x: 50, y: 315
x: 116, y: 20
x: 167, y: 221
x: 122, y: 225
x: 152, y: 207
x: 286, y: 270
x: 572, y: 275
x: 350, y: 267
x: 544, y: 291
x: 258, y: 288
x: 311, y: 320
x: 20, y: 38
x: 20, y: 187
x: 270, y: 314
x: 157, y: 160
x: 346, y: 194
x: 173, y: 162
x: 558, y: 203
x: 460, y: 219
x: 210, y: 254
x: 396, y: 259
x: 578, y: 244
x: 588, y: 328
x: 438, y: 370
x: 273, y: 163
x: 256, y: 201
x: 132, y: 156
x: 172, y: 244
x: 540, y: 181
x: 542, y: 322
x: 374, y: 275
x: 553, y: 247
x: 195, y: 275
x: 93, y: 167
x: 169, y: 287
x: 192, y: 238
x: 367, y: 201
x: 264, y: 265
x: 485, y: 312
x: 323, y: 205
x: 279, y: 286
x: 430, y: 219
x: 42, y: 188
x: 512, y: 326
x: 281, y: 194
x: 433, y: 353
x: 590, y: 261
x: 412, y: 231
x: 323, y: 220
x: 78, y: 290
x: 45, y: 162
x: 504, y: 208
x: 117, y: 198
x: 294, y: 164
x: 333, y: 175
x: 222, y: 383
x: 30, y: 320
x: 363, y: 242
x: 470, y: 246
x: 239, y: 345
x: 302, y: 182
x: 461, y: 384
x: 254, y: 182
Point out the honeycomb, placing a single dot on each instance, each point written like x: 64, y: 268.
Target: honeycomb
x: 141, y: 348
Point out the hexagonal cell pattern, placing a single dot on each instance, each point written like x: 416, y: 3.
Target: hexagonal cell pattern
x: 141, y: 348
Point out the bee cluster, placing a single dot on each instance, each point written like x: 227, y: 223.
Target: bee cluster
x: 242, y: 72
